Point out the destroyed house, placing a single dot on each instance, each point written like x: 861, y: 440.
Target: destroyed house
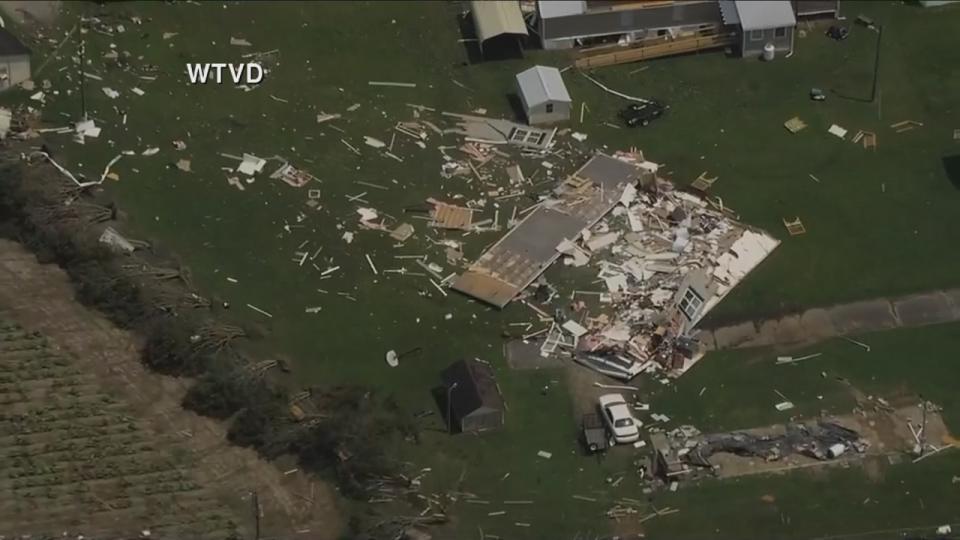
x: 473, y: 397
x: 564, y: 24
x: 14, y: 60
x: 578, y: 203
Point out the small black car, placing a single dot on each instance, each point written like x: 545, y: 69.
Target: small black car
x: 641, y: 114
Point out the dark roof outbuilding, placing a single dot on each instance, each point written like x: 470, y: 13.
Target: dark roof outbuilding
x: 10, y: 45
x: 476, y: 387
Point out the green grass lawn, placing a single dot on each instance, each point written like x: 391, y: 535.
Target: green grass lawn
x: 879, y: 223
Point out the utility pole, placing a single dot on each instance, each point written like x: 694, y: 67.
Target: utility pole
x: 876, y: 66
x: 256, y: 515
x: 450, y: 390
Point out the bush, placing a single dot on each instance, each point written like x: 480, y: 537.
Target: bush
x: 169, y: 350
x: 223, y: 391
x: 351, y: 441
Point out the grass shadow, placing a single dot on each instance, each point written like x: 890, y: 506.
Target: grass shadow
x: 516, y: 106
x: 439, y: 394
x: 951, y: 165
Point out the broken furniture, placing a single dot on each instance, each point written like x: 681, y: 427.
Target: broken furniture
x: 794, y: 227
x: 448, y: 216
x: 906, y: 125
x: 292, y: 176
x: 867, y: 138
x: 794, y: 124
x: 702, y: 183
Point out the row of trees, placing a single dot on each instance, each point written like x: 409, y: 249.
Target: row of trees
x: 348, y: 428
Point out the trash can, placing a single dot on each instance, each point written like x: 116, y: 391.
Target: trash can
x: 769, y: 51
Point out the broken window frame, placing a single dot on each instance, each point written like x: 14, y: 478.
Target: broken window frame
x: 690, y: 298
x: 527, y: 136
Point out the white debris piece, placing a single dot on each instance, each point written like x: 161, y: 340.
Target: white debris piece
x: 115, y: 240
x: 367, y: 214
x: 629, y: 195
x: 376, y: 143
x: 544, y: 454
x: 838, y: 131
x: 111, y: 93
x: 87, y: 128
x: 137, y: 91
x: 574, y: 328
x: 602, y: 241
x: 393, y: 360
x: 323, y: 117
x: 251, y: 164
x: 240, y: 42
x: 5, y: 117
x: 784, y: 406
x: 579, y: 136
x: 150, y: 151
x: 616, y: 282
x: 347, y: 237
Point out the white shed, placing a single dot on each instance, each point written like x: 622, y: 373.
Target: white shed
x: 14, y: 60
x: 543, y: 95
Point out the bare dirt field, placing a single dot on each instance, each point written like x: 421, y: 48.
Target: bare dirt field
x: 91, y: 441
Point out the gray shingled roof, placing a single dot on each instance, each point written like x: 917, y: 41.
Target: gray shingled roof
x: 765, y: 14
x: 541, y: 84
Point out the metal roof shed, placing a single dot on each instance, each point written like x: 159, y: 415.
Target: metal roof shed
x: 543, y: 95
x: 473, y: 398
x: 493, y: 18
x: 765, y: 14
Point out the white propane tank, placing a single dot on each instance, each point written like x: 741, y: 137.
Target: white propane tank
x: 769, y: 51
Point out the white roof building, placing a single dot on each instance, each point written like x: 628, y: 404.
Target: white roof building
x: 765, y: 14
x: 542, y: 84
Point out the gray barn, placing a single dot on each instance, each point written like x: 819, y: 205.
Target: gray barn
x: 761, y: 22
x: 474, y: 402
x: 543, y: 95
x: 14, y: 60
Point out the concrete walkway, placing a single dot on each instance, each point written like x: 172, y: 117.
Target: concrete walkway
x: 818, y: 324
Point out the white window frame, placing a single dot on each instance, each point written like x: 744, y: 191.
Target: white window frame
x: 756, y: 35
x: 690, y: 303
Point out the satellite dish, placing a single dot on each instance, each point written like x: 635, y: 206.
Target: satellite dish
x: 392, y: 359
